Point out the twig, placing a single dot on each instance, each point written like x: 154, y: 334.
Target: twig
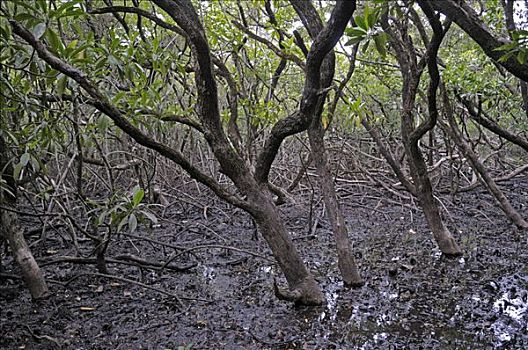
x: 123, y: 279
x: 212, y: 246
x: 121, y: 259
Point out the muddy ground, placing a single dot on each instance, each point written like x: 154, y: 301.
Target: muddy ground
x: 413, y: 297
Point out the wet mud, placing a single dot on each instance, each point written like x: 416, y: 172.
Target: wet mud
x: 414, y: 298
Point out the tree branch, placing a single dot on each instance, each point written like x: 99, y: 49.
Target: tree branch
x: 103, y: 105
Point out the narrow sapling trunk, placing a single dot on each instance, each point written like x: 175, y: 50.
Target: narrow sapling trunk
x: 11, y: 231
x: 424, y: 191
x: 346, y: 262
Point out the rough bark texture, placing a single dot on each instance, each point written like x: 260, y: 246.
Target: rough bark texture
x: 346, y: 262
x: 262, y: 207
x: 524, y: 94
x: 11, y: 231
x: 324, y: 42
x: 300, y: 281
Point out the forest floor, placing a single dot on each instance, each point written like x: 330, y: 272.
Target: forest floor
x: 413, y: 298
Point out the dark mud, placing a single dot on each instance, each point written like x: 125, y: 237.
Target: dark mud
x: 413, y: 298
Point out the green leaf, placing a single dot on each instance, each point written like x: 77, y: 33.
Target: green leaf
x: 53, y: 40
x: 360, y: 22
x: 39, y: 29
x: 5, y: 32
x: 24, y: 17
x: 372, y: 18
x: 122, y: 223
x: 365, y: 46
x: 17, y: 171
x: 354, y: 41
x: 380, y: 42
x: 356, y: 31
x: 103, y: 122
x: 521, y: 56
x: 61, y: 84
x: 139, y: 193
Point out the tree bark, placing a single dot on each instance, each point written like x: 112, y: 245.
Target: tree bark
x: 301, y: 282
x: 11, y: 231
x: 411, y: 72
x: 481, y: 118
x: 346, y: 262
x: 376, y: 136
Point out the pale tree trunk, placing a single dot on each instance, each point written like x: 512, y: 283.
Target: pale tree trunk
x: 31, y: 272
x: 11, y: 231
x: 346, y: 262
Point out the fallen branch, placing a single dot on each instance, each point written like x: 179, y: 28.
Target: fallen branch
x: 123, y: 279
x: 121, y: 259
x: 211, y: 246
x: 506, y: 177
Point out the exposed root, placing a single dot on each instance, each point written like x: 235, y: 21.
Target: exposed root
x: 306, y: 293
x: 449, y: 247
x: 354, y: 283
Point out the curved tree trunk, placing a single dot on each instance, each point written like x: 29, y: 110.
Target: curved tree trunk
x: 411, y: 72
x: 11, y: 231
x: 303, y: 287
x: 346, y: 262
x: 251, y: 184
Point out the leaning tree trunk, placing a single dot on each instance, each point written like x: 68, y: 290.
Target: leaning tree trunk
x: 376, y: 136
x: 11, y: 231
x: 479, y: 168
x: 303, y: 288
x: 258, y: 202
x: 411, y: 72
